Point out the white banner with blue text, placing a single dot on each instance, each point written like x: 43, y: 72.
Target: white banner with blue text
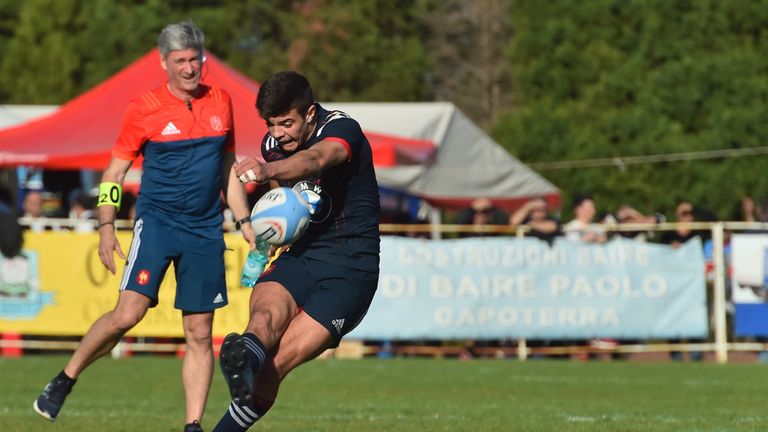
x: 498, y: 288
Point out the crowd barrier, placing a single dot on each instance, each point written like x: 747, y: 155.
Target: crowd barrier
x: 67, y: 288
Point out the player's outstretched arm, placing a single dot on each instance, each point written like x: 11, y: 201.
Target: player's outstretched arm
x: 301, y: 165
x: 108, y: 244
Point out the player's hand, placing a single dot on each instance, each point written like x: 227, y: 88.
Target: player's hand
x: 250, y: 169
x: 249, y: 235
x: 108, y: 244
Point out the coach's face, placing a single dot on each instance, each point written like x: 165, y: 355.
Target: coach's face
x: 292, y: 129
x: 183, y: 68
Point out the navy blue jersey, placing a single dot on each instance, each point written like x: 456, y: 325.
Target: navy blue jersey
x: 345, y: 228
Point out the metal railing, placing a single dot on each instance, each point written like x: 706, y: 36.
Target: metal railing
x: 719, y: 345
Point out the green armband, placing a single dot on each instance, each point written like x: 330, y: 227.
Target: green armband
x: 110, y: 194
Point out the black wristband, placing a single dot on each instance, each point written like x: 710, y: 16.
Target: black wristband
x: 240, y: 222
x: 105, y: 223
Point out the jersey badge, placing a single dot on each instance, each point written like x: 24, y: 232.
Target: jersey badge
x: 216, y: 123
x: 143, y: 277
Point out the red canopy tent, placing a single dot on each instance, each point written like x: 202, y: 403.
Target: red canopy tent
x: 81, y: 133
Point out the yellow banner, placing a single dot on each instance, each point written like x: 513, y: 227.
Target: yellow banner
x: 61, y: 288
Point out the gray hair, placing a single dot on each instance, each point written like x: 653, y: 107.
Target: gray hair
x: 180, y: 36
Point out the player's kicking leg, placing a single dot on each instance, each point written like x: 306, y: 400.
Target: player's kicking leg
x: 304, y: 340
x: 243, y: 356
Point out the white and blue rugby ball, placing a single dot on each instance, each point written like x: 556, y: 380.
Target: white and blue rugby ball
x: 280, y: 216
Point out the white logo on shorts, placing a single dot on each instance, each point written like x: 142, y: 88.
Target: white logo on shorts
x: 338, y: 324
x: 218, y: 298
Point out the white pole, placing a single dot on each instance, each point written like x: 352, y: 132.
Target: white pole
x: 435, y: 220
x: 522, y: 349
x: 721, y: 335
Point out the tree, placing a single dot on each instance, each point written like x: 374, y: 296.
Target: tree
x: 9, y: 16
x: 39, y: 65
x: 60, y: 48
x: 619, y: 78
x: 466, y: 48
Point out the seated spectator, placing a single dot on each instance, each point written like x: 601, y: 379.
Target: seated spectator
x: 480, y: 212
x: 535, y: 215
x: 582, y: 228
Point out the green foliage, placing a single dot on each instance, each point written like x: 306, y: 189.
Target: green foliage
x: 590, y: 78
x: 115, y: 34
x: 358, y: 51
x: 610, y: 78
x: 60, y: 48
x: 367, y: 50
x: 42, y: 48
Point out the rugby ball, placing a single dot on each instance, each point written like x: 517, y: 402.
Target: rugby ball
x: 280, y: 216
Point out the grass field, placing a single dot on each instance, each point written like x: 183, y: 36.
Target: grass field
x: 144, y: 394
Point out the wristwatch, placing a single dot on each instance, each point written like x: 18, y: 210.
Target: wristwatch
x: 240, y: 222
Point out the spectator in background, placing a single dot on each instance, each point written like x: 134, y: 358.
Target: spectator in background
x: 627, y: 214
x: 81, y: 212
x: 581, y: 228
x: 535, y: 215
x: 481, y: 212
x: 755, y: 211
x: 128, y: 208
x: 10, y: 232
x: 685, y: 212
x: 14, y: 268
x: 33, y: 209
x: 748, y: 209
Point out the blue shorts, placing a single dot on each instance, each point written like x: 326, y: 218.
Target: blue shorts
x: 198, y: 263
x: 335, y: 296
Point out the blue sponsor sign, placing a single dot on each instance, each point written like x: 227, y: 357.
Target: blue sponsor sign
x: 492, y: 288
x: 749, y: 259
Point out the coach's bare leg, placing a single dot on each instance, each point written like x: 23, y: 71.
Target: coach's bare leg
x: 198, y: 363
x: 271, y: 309
x: 106, y: 331
x: 304, y: 340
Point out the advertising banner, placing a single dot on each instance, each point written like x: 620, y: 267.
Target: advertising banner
x: 749, y: 260
x: 492, y: 288
x: 60, y: 288
x: 449, y: 289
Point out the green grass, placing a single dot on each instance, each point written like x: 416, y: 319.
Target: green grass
x: 145, y: 394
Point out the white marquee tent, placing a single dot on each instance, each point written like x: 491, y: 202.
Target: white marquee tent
x: 467, y: 163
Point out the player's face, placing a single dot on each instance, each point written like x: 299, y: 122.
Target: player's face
x: 291, y: 129
x: 183, y: 68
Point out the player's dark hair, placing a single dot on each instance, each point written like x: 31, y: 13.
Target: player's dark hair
x: 282, y: 92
